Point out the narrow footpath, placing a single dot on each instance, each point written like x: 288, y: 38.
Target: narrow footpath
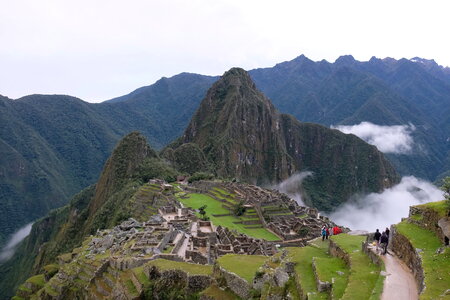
x: 399, y: 282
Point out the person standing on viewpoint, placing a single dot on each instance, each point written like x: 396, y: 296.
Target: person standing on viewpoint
x: 377, y: 237
x: 384, y: 240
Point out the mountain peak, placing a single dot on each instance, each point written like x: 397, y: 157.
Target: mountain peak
x: 237, y: 77
x: 345, y: 59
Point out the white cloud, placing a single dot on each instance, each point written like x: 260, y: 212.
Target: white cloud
x: 15, y: 239
x: 388, y: 139
x: 292, y: 186
x: 106, y: 48
x: 380, y: 210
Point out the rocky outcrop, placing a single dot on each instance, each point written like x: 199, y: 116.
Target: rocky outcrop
x: 408, y: 254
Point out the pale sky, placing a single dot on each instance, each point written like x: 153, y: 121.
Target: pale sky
x: 100, y: 49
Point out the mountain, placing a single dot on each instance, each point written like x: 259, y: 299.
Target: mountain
x: 99, y: 206
x: 53, y: 146
x: 381, y: 91
x: 243, y: 136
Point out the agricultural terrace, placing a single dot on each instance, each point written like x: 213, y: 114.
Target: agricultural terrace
x: 221, y: 213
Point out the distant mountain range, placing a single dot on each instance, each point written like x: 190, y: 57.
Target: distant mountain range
x: 53, y: 146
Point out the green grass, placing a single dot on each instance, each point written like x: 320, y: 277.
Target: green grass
x: 303, y: 258
x: 216, y: 293
x: 363, y: 273
x: 140, y: 275
x: 193, y: 269
x: 245, y: 266
x: 439, y: 206
x: 327, y: 269
x: 417, y: 217
x: 214, y: 207
x: 38, y: 280
x: 436, y: 266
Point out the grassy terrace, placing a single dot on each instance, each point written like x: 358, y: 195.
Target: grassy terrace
x: 364, y: 275
x: 440, y: 207
x: 216, y: 293
x: 245, y: 266
x: 327, y: 269
x: 215, y: 207
x: 436, y: 266
x: 304, y: 256
x: 193, y: 269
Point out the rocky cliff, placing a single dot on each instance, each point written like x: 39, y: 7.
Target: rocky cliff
x: 243, y: 136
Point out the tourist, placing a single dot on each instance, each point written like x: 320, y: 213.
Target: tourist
x: 384, y: 240
x: 387, y: 232
x: 376, y: 237
x: 327, y: 232
x: 324, y: 233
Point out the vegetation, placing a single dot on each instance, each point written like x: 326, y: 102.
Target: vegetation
x: 438, y: 206
x: 234, y: 263
x: 197, y: 176
x: 193, y: 269
x: 327, y: 270
x: 364, y: 274
x: 227, y: 219
x: 303, y: 258
x: 217, y: 293
x: 436, y: 266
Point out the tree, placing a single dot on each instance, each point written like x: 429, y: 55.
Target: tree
x: 239, y: 209
x: 202, y: 212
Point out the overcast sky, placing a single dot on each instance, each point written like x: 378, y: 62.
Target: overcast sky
x: 100, y: 49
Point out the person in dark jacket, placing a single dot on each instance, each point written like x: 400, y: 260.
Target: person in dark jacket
x: 384, y: 240
x: 376, y: 237
x: 387, y: 232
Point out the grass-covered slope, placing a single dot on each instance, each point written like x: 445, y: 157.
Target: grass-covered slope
x: 364, y: 275
x: 424, y: 235
x: 436, y: 266
x: 328, y: 268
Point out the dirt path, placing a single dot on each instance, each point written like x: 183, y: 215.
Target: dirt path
x: 399, y: 283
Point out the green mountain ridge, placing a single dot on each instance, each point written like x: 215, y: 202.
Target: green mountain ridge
x: 243, y: 136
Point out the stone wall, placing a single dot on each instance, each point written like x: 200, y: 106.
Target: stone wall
x: 179, y: 244
x: 429, y: 220
x: 408, y: 254
x: 366, y: 248
x: 336, y: 251
x: 322, y: 286
x: 196, y: 257
x: 236, y: 284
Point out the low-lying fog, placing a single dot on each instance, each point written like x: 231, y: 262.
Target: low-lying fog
x: 8, y: 251
x: 380, y: 210
x: 375, y: 210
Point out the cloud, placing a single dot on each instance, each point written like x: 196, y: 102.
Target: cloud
x: 8, y: 251
x: 380, y: 210
x: 291, y: 186
x: 388, y: 139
